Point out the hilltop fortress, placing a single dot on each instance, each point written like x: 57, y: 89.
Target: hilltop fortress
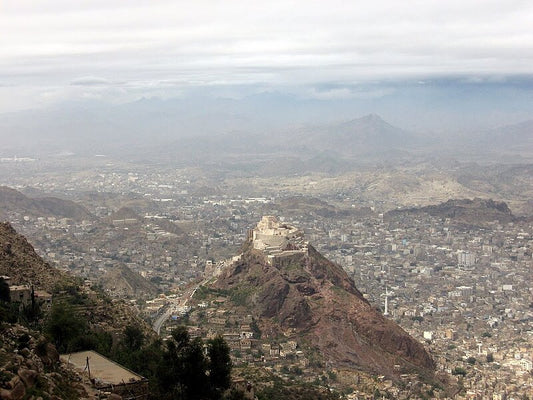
x: 277, y: 239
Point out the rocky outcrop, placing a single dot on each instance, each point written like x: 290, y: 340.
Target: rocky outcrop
x: 29, y: 365
x: 19, y: 261
x: 476, y: 212
x: 124, y: 282
x: 13, y: 201
x: 308, y: 294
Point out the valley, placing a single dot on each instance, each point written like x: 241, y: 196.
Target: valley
x: 151, y: 234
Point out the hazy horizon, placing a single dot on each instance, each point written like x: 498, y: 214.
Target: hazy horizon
x: 427, y: 66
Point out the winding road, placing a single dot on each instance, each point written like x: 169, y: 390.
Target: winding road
x: 174, y: 305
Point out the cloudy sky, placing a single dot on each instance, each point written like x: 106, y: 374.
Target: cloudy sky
x: 121, y: 50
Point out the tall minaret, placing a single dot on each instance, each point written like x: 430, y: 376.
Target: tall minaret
x: 386, y: 302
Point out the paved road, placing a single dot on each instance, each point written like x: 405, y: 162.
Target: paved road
x: 156, y: 326
x: 174, y: 304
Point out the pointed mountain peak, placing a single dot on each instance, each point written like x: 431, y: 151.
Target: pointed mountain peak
x: 372, y: 118
x: 288, y: 286
x: 367, y: 121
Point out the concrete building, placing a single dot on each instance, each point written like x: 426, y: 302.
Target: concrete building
x: 107, y: 375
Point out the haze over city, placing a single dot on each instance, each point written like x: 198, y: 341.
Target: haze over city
x: 283, y: 200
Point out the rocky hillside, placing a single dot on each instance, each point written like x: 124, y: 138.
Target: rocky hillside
x: 125, y: 282
x: 30, y: 368
x: 301, y: 293
x: 477, y: 212
x: 19, y: 261
x: 13, y: 201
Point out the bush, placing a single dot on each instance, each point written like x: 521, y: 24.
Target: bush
x: 133, y: 338
x: 255, y: 329
x: 219, y: 365
x: 66, y: 328
x: 4, y: 291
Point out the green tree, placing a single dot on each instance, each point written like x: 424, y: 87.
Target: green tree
x: 65, y: 327
x: 220, y: 366
x: 133, y: 337
x: 196, y: 381
x: 255, y: 329
x: 31, y: 313
x: 182, y: 373
x: 4, y: 291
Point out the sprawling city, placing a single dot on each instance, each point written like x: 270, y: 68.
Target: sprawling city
x: 455, y: 275
x: 283, y: 200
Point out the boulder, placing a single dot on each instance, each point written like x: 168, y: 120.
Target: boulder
x: 25, y: 352
x: 13, y: 382
x: 50, y: 355
x: 28, y: 376
x: 17, y: 393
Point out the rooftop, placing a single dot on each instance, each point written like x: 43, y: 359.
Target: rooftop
x: 103, y: 370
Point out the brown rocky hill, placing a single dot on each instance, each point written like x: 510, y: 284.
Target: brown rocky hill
x: 19, y: 261
x: 293, y: 289
x: 476, y: 212
x: 13, y: 201
x: 30, y: 367
x: 125, y: 282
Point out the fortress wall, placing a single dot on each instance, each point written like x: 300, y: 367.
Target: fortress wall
x: 271, y: 240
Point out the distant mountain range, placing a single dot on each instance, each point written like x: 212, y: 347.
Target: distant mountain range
x: 366, y: 135
x: 224, y: 129
x: 517, y: 138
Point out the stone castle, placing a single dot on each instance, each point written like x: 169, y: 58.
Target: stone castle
x: 277, y: 239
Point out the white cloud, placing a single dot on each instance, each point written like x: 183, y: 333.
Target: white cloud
x: 90, y: 81
x: 209, y: 42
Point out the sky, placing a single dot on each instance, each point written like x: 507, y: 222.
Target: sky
x: 53, y: 51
